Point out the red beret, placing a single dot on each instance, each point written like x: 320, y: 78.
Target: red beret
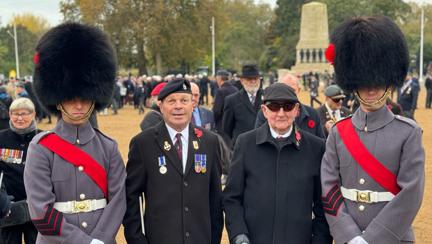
x: 158, y: 88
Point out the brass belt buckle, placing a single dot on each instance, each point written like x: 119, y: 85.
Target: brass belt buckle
x: 81, y: 206
x: 363, y: 196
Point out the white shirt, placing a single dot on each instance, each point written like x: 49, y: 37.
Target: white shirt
x: 337, y: 112
x: 184, y: 139
x: 275, y: 135
x: 252, y: 96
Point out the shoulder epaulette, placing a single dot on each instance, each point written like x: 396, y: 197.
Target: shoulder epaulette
x: 406, y: 120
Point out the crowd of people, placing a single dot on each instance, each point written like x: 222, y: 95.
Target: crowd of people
x: 350, y: 170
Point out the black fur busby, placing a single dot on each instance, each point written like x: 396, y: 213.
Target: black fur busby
x: 369, y: 52
x: 74, y: 61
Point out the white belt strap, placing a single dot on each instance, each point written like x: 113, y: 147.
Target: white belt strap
x: 366, y: 195
x: 84, y: 206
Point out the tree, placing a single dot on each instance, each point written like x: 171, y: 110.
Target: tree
x: 35, y: 24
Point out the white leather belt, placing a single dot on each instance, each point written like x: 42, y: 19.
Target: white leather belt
x: 366, y: 196
x: 84, y: 206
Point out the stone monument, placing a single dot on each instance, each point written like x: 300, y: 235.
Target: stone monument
x: 314, y: 39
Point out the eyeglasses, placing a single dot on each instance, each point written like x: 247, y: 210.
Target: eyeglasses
x: 275, y: 107
x: 22, y: 115
x: 336, y: 100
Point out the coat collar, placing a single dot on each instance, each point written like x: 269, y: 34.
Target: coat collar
x: 372, y: 120
x: 304, y: 113
x: 263, y: 136
x: 81, y: 134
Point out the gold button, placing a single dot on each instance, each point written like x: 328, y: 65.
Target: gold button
x: 361, y: 207
x: 82, y: 196
x: 84, y: 224
x: 362, y: 181
x: 80, y: 168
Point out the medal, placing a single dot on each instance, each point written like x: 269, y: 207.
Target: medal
x: 162, y: 165
x: 203, y: 163
x: 195, y: 145
x: 167, y: 146
x: 197, y: 163
x: 163, y: 170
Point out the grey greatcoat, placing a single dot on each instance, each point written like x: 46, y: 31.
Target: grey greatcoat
x: 394, y: 141
x: 48, y: 178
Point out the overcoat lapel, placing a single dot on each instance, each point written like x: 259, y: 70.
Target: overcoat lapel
x: 245, y: 100
x: 162, y: 137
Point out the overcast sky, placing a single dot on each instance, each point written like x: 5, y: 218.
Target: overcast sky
x: 50, y: 8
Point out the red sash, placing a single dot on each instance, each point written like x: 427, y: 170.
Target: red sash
x: 77, y: 157
x: 365, y: 159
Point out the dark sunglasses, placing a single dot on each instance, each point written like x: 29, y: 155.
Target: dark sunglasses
x: 336, y: 100
x: 275, y: 107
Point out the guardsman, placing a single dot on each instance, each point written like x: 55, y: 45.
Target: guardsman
x: 274, y: 184
x: 372, y: 172
x: 175, y: 166
x: 74, y: 175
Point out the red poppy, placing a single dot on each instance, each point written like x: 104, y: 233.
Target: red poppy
x: 311, y: 123
x: 330, y: 53
x: 298, y: 135
x: 36, y: 58
x: 198, y: 132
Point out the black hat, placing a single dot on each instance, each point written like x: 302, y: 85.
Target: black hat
x: 369, y: 52
x: 178, y: 85
x: 222, y: 73
x: 249, y: 71
x: 279, y: 92
x: 334, y: 91
x: 74, y: 61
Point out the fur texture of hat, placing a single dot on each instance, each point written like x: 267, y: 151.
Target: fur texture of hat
x: 369, y: 52
x: 74, y: 61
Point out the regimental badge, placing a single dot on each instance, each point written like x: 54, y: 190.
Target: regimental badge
x: 195, y: 145
x: 162, y: 165
x: 167, y: 146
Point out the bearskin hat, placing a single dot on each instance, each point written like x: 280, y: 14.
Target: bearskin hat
x: 74, y: 61
x: 369, y: 52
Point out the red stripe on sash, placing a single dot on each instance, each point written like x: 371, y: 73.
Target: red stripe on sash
x: 365, y: 159
x: 77, y: 157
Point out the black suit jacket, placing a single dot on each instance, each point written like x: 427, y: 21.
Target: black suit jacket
x: 325, y: 116
x: 308, y: 120
x: 239, y: 114
x: 179, y: 207
x: 225, y: 90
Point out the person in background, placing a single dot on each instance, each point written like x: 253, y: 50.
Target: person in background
x: 200, y: 115
x: 428, y: 85
x: 153, y: 117
x: 5, y: 102
x: 332, y: 110
x: 14, y: 142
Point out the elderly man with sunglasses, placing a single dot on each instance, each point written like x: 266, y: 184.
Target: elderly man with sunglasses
x: 273, y: 186
x: 332, y: 110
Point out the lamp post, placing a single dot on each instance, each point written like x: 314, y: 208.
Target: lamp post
x: 212, y: 27
x: 421, y: 42
x: 14, y: 36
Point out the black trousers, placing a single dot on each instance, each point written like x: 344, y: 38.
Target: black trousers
x: 428, y: 98
x: 14, y: 234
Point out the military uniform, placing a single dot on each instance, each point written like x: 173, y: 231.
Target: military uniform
x: 180, y: 207
x: 384, y: 222
x: 372, y: 172
x: 49, y: 179
x: 325, y: 115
